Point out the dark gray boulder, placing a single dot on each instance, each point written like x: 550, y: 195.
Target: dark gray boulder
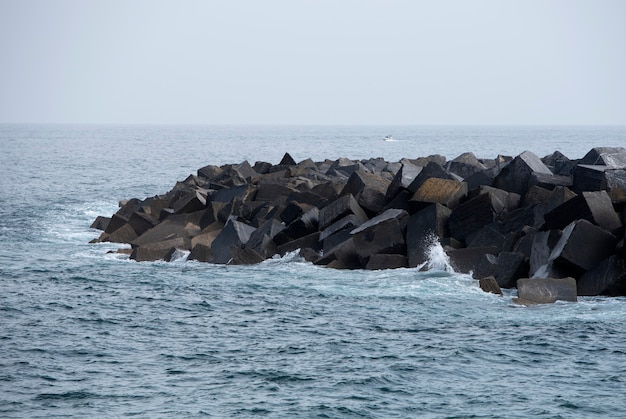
x: 382, y: 234
x: 582, y: 247
x: 606, y: 156
x: 369, y: 189
x: 545, y: 290
x: 473, y: 214
x: 345, y: 205
x: 466, y: 260
x: 234, y: 234
x: 599, y: 280
x: 595, y: 207
x: 518, y: 175
x: 489, y: 284
x: 100, y: 223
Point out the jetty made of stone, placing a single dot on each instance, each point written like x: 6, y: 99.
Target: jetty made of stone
x: 553, y: 227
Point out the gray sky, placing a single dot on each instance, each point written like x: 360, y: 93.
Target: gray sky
x: 313, y: 62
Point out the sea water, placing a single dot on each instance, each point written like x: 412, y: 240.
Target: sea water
x: 86, y: 333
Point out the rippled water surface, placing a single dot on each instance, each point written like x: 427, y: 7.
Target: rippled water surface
x: 89, y: 334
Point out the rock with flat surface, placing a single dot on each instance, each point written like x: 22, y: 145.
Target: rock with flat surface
x: 546, y: 290
x: 517, y: 176
x: 582, y: 247
x: 489, y: 284
x: 440, y: 191
x: 345, y: 205
x: 595, y: 207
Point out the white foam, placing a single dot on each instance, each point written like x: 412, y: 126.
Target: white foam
x: 438, y: 260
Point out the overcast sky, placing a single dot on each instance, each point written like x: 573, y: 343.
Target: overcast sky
x: 313, y: 62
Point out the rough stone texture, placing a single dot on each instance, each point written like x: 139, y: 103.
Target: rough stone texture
x: 606, y: 156
x: 600, y: 280
x: 234, y: 234
x: 595, y: 207
x: 506, y: 268
x: 440, y: 191
x: 431, y: 170
x: 382, y: 234
x: 471, y: 215
x: 582, y: 247
x: 403, y: 178
x: 100, y: 223
x: 517, y: 176
x: 489, y: 284
x: 339, y: 208
x: 158, y: 250
x: 369, y: 189
x: 466, y: 260
x: 546, y: 290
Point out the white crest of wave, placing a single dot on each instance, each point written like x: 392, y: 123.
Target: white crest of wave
x: 437, y: 260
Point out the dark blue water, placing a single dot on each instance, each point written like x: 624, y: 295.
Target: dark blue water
x: 90, y: 334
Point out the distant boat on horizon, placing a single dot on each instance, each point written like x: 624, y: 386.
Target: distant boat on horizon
x: 388, y: 138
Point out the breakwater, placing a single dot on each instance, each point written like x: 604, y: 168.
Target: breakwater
x: 555, y: 220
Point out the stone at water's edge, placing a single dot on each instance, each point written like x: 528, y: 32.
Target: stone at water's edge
x: 545, y: 290
x: 505, y: 218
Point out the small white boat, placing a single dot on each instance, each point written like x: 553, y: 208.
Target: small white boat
x: 388, y: 138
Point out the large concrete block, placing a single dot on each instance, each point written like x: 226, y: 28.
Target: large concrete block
x: 599, y: 280
x: 272, y: 191
x: 369, y: 190
x: 190, y: 201
x: 141, y: 222
x: 310, y: 241
x: 466, y: 260
x: 261, y: 239
x: 465, y: 165
x: 606, y: 156
x: 304, y: 225
x: 244, y: 256
x: 335, y: 239
x: 473, y: 214
x: 517, y: 176
x: 430, y: 170
x: 403, y: 178
x: 488, y: 235
x: 124, y: 234
x: 559, y: 164
x: 349, y: 222
x: 506, y: 268
x: 381, y: 234
x: 440, y: 191
x: 209, y: 172
x: 421, y: 227
x: 243, y: 192
x: 387, y: 261
x: 582, y: 247
x: 545, y: 290
x: 158, y: 250
x: 100, y: 223
x: 595, y: 207
x: 489, y: 284
x: 234, y: 234
x: 339, y: 208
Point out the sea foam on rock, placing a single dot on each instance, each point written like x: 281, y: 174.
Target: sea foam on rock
x: 505, y: 219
